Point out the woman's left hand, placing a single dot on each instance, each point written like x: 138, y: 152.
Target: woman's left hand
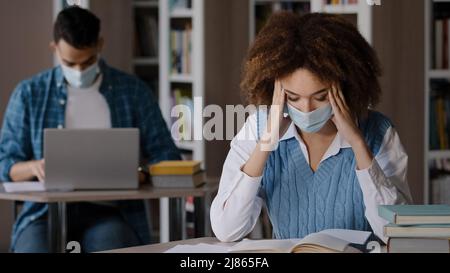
x: 346, y: 125
x: 343, y: 119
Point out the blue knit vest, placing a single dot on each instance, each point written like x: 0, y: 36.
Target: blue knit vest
x: 301, y: 202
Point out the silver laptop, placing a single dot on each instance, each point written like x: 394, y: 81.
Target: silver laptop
x: 91, y: 159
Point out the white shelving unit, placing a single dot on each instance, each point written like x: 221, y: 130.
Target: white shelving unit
x: 182, y: 13
x: 59, y: 4
x: 361, y: 10
x: 137, y: 61
x: 430, y: 74
x: 195, y: 80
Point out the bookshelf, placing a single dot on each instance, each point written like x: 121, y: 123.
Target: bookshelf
x: 357, y: 11
x: 181, y: 82
x: 182, y: 71
x: 146, y: 42
x: 437, y: 102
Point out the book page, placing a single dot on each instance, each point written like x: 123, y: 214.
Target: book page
x: 352, y: 236
x: 324, y: 240
x: 282, y: 246
x: 331, y: 240
x: 198, y: 248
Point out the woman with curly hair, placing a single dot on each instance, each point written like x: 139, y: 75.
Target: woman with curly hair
x: 332, y: 160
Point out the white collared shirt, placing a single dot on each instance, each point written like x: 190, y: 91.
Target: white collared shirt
x: 237, y: 206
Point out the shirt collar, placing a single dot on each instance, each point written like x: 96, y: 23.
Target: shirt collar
x: 338, y: 143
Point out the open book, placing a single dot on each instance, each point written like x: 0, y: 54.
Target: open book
x: 327, y: 241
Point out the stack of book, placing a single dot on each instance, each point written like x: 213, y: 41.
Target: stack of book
x: 417, y: 228
x: 177, y: 174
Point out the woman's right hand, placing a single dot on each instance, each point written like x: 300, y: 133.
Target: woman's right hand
x: 277, y: 124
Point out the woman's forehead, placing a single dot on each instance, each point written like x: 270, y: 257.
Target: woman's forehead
x: 303, y: 83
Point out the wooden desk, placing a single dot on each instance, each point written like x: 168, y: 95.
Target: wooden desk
x: 57, y: 202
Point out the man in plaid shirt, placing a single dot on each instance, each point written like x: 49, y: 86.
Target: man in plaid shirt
x: 83, y: 92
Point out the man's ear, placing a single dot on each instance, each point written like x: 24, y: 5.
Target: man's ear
x: 101, y: 43
x: 52, y: 46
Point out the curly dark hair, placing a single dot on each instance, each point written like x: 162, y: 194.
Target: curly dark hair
x: 329, y: 46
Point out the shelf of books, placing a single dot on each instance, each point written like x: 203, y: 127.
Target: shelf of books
x: 181, y: 77
x: 437, y: 102
x: 146, y: 42
x: 356, y: 11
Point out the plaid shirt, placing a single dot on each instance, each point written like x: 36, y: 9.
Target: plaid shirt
x: 39, y: 103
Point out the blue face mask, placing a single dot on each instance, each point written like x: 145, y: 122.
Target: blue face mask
x: 310, y: 122
x: 81, y: 79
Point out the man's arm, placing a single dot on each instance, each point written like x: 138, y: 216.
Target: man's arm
x: 156, y: 142
x: 15, y: 140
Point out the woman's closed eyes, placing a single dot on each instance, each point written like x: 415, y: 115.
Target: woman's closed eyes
x: 319, y: 98
x: 322, y: 98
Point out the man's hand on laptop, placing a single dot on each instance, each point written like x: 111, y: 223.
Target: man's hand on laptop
x: 28, y: 170
x: 37, y: 168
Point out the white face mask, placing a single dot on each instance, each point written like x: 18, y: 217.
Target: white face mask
x: 313, y: 121
x: 81, y: 79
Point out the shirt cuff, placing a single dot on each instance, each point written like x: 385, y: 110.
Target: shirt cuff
x: 364, y: 174
x: 5, y: 169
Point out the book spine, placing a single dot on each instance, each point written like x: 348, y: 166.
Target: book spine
x: 418, y: 233
x: 387, y: 214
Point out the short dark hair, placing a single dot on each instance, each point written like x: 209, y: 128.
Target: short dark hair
x: 327, y: 45
x: 77, y: 26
